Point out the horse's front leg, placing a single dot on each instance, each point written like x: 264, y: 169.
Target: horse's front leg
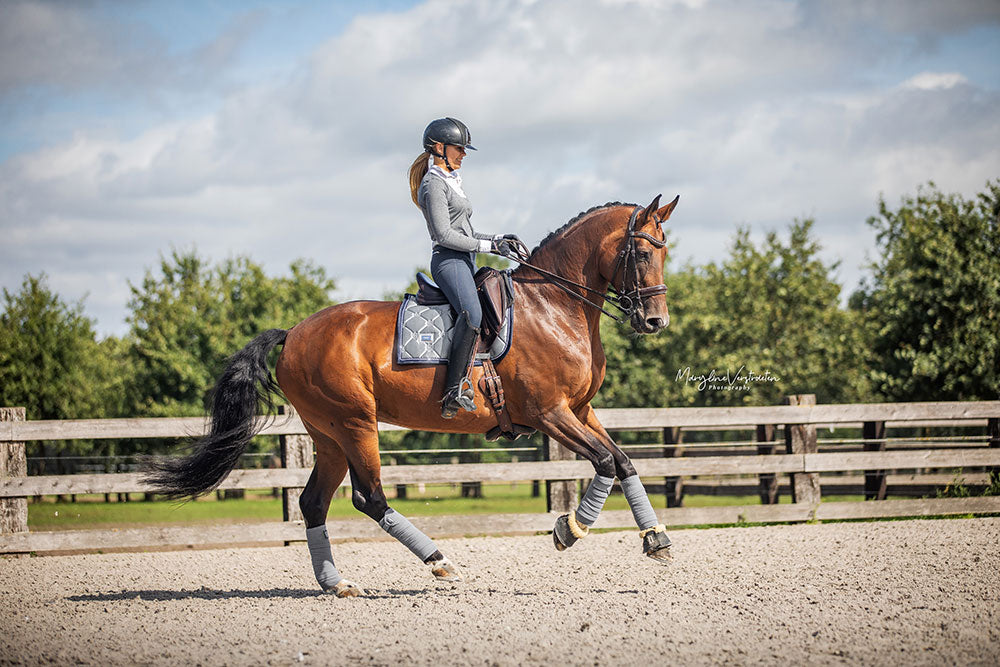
x: 655, y: 542
x: 565, y: 427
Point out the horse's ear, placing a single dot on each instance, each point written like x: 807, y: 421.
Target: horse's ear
x: 664, y: 213
x: 647, y: 214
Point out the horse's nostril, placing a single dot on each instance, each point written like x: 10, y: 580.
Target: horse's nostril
x: 655, y: 322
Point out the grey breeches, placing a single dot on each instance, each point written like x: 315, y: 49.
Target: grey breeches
x: 452, y: 270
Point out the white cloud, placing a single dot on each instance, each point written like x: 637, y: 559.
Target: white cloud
x: 752, y: 112
x: 933, y: 80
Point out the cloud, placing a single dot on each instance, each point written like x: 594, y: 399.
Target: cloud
x: 753, y: 112
x: 79, y: 47
x: 934, y: 80
x: 910, y: 16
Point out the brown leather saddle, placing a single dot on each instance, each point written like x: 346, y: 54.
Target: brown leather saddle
x: 496, y: 296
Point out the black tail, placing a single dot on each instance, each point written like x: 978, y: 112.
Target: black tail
x: 244, y: 386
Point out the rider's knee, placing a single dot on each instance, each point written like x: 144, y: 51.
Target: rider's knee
x: 475, y: 316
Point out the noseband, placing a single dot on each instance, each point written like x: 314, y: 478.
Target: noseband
x: 628, y: 301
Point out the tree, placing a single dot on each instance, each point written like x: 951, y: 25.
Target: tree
x: 932, y: 304
x: 51, y: 363
x: 185, y: 322
x: 50, y: 360
x: 766, y: 321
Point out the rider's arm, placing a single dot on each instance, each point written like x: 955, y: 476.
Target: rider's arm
x: 435, y: 207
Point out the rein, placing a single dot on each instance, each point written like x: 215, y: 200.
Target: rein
x: 628, y: 302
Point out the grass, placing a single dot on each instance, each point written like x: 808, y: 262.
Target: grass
x: 260, y: 505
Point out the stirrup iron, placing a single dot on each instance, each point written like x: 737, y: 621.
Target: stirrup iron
x: 466, y: 397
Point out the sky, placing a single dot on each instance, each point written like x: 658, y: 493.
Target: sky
x: 284, y: 130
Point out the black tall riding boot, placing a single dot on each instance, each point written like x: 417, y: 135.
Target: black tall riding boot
x: 458, y: 391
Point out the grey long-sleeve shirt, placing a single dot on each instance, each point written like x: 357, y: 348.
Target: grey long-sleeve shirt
x: 447, y: 214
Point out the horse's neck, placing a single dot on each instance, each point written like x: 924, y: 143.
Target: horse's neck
x: 575, y: 257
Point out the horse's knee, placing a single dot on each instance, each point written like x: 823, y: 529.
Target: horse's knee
x: 371, y: 504
x: 604, y: 465
x: 623, y: 467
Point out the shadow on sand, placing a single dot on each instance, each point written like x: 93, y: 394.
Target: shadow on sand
x: 205, y: 593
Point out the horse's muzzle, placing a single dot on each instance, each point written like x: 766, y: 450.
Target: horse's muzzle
x: 649, y: 325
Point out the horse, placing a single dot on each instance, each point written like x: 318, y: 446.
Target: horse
x: 337, y: 369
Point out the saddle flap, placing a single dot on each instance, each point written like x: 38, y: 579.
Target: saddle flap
x: 495, y: 300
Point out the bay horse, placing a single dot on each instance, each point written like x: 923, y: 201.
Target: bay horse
x: 337, y: 369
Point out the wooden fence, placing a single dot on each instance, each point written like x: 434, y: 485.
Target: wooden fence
x: 800, y: 459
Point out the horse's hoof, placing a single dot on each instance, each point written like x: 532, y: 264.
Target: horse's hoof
x: 656, y: 545
x: 555, y: 540
x: 562, y: 534
x: 446, y: 571
x: 346, y: 589
x: 661, y: 556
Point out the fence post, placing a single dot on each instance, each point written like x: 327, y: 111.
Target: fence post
x: 13, y: 463
x: 769, y: 493
x: 993, y: 430
x: 560, y: 495
x: 801, y: 439
x: 469, y: 489
x: 296, y: 452
x: 673, y: 486
x: 874, y: 435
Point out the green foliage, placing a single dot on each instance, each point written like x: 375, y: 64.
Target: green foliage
x: 50, y: 361
x: 772, y: 309
x: 932, y: 306
x: 186, y: 321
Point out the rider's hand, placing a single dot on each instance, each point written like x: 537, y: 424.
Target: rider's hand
x: 510, y: 246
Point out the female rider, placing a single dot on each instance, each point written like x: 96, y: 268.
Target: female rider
x: 436, y: 188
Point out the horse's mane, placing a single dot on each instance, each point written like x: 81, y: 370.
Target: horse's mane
x: 575, y: 220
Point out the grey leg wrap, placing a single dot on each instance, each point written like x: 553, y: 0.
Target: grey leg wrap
x: 409, y: 535
x: 322, y: 557
x: 638, y: 502
x: 593, y: 500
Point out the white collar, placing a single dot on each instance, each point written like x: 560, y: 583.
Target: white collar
x: 452, y: 178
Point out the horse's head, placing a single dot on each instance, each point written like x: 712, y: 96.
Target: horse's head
x: 634, y: 266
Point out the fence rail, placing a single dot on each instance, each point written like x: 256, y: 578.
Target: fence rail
x: 801, y: 461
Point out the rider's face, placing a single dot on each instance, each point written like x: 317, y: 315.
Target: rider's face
x: 455, y: 155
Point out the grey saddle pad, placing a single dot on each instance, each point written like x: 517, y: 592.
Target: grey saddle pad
x: 423, y: 334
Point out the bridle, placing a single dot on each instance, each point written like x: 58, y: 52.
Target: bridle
x: 628, y: 301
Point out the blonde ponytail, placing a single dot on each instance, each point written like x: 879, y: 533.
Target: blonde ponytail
x: 417, y: 172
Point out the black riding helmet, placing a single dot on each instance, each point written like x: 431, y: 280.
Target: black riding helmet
x: 448, y: 131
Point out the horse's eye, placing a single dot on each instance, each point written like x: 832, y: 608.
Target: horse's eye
x: 644, y: 256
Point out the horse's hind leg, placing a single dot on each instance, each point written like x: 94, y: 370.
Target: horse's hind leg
x: 326, y: 476
x: 361, y: 446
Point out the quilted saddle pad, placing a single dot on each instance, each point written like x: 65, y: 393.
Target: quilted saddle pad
x: 423, y: 334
